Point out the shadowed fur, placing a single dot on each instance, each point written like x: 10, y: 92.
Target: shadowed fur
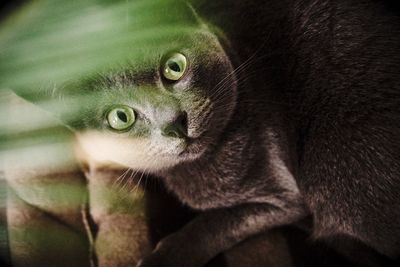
x: 293, y: 109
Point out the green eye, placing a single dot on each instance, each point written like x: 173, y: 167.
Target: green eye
x: 121, y: 118
x: 174, y: 67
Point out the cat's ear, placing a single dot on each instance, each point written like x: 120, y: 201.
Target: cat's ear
x: 210, y: 28
x: 207, y: 26
x: 197, y: 17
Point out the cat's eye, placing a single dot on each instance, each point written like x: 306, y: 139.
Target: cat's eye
x: 121, y: 118
x: 174, y: 67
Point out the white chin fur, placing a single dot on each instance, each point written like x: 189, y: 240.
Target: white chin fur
x: 104, y: 149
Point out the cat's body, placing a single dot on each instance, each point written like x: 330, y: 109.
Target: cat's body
x: 308, y: 124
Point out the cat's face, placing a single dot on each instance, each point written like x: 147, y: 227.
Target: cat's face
x: 170, y: 108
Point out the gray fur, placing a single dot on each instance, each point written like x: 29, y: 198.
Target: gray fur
x: 293, y: 110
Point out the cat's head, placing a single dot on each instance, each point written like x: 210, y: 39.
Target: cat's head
x: 168, y: 108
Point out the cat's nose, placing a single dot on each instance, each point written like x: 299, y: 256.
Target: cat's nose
x: 177, y: 127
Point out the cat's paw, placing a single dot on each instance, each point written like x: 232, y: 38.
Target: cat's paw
x: 171, y: 252
x: 157, y: 260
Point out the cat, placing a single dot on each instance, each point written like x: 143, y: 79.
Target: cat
x: 99, y: 210
x: 267, y: 113
x: 285, y: 109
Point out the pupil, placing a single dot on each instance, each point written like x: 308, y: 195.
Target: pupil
x: 174, y: 66
x: 122, y: 116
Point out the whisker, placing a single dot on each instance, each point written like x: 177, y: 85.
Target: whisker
x: 128, y: 181
x: 242, y: 66
x: 120, y: 178
x: 145, y: 183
